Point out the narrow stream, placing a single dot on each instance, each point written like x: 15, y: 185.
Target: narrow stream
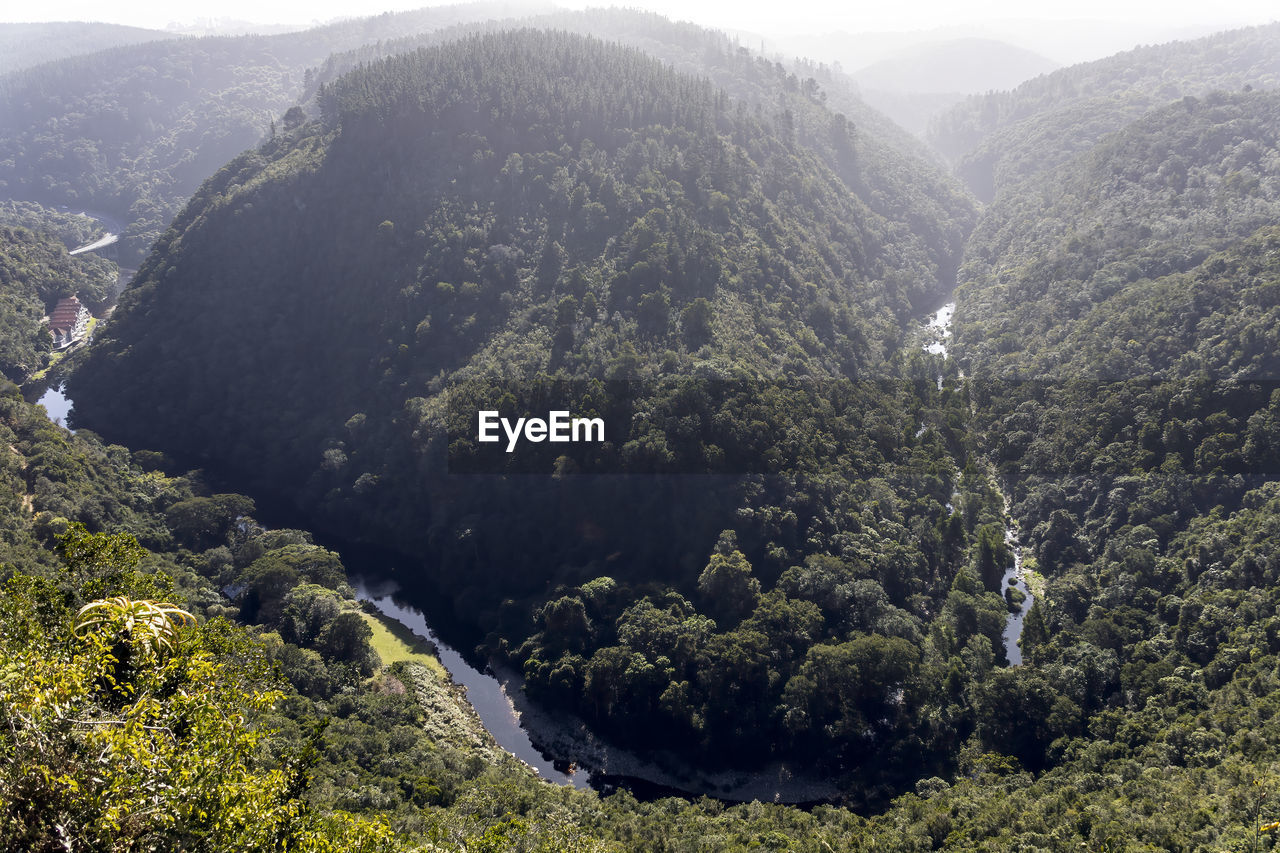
x: 1013, y: 578
x: 938, y: 330
x: 937, y: 339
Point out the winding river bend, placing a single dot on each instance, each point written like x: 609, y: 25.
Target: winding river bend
x: 561, y: 748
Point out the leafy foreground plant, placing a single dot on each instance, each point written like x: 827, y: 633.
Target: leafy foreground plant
x: 128, y: 727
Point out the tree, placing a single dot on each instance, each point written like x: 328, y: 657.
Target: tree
x: 728, y: 590
x: 202, y: 523
x: 127, y: 727
x: 293, y: 118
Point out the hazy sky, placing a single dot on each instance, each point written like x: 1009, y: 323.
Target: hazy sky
x: 770, y: 16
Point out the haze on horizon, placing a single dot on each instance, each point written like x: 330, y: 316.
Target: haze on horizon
x: 754, y: 16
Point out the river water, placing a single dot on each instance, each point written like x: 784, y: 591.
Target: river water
x: 581, y: 759
x: 485, y: 692
x: 57, y: 404
x: 562, y: 747
x: 937, y: 340
x: 938, y: 330
x: 112, y: 235
x: 1013, y: 577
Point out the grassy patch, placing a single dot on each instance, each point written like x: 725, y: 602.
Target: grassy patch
x: 39, y: 375
x: 394, y: 642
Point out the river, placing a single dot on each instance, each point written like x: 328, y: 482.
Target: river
x: 937, y: 340
x: 485, y: 692
x: 57, y: 404
x: 112, y: 235
x: 582, y: 759
x: 938, y: 330
x: 533, y: 734
x: 1013, y: 577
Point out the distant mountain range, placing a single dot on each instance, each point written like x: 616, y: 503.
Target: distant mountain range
x: 25, y: 45
x: 968, y: 66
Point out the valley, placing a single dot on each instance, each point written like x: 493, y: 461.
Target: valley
x: 934, y: 498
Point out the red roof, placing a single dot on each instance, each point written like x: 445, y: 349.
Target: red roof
x: 66, y: 314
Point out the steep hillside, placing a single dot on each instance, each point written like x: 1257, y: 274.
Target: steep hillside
x: 790, y: 545
x: 1051, y: 264
x: 474, y: 223
x: 1118, y: 317
x: 396, y: 760
x: 999, y: 139
x: 894, y: 173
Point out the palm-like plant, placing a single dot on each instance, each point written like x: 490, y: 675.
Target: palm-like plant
x: 149, y: 626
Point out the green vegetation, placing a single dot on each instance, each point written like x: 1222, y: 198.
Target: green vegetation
x: 893, y: 173
x: 402, y: 763
x: 641, y: 226
x: 26, y: 45
x: 35, y: 272
x: 1135, y: 223
x: 395, y: 643
x: 133, y: 130
x: 791, y: 547
x: 1001, y: 138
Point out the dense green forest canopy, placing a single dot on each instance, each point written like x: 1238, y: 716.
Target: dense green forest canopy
x: 1117, y: 313
x: 1116, y: 245
x: 1001, y: 138
x: 894, y: 173
x: 530, y: 211
x: 400, y: 751
x: 528, y: 204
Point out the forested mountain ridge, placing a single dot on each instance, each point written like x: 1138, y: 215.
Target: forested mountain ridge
x: 134, y: 129
x: 528, y: 205
x: 998, y: 139
x: 1134, y: 220
x: 894, y: 173
x: 323, y: 315
x: 27, y: 45
x: 1117, y: 315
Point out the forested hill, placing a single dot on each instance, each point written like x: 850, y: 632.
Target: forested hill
x: 894, y: 173
x: 634, y: 190
x: 998, y: 139
x: 1118, y: 317
x: 133, y: 130
x: 534, y: 204
x: 35, y: 272
x: 526, y: 218
x: 25, y: 45
x: 1056, y: 272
